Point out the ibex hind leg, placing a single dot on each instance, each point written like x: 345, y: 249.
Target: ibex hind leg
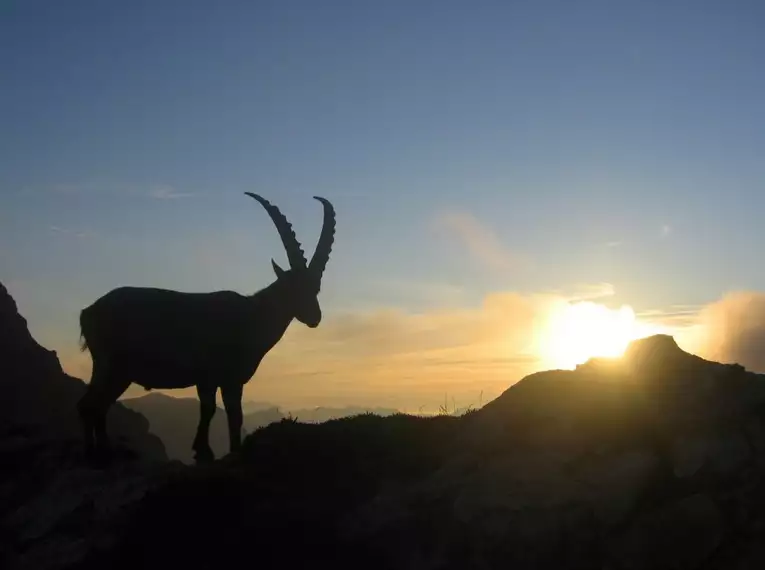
x: 106, y: 386
x: 84, y: 410
x: 113, y: 388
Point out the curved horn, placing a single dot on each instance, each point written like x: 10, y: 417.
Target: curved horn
x: 326, y: 239
x: 295, y: 253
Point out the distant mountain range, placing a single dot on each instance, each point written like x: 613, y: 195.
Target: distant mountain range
x: 174, y: 421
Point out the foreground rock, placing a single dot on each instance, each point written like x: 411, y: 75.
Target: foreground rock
x: 57, y: 510
x: 654, y: 461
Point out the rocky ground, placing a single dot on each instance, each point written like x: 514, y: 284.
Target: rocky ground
x: 654, y: 461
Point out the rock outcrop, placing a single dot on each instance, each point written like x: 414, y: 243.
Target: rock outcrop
x: 53, y: 508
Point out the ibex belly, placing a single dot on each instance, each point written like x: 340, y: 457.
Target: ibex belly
x: 167, y: 373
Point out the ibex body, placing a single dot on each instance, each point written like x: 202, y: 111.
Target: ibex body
x: 165, y: 339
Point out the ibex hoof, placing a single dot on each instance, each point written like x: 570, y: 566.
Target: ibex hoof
x: 204, y: 456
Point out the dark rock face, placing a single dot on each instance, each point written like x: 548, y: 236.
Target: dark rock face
x: 52, y: 507
x: 654, y: 461
x: 38, y: 395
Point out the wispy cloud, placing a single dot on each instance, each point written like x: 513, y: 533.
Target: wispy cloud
x: 165, y: 192
x: 676, y: 316
x: 584, y: 292
x: 481, y: 241
x: 615, y: 243
x: 665, y: 230
x: 71, y: 232
x: 429, y: 292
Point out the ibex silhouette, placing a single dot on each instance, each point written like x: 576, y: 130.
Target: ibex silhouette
x: 166, y: 339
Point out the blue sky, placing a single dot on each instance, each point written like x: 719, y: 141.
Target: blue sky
x: 590, y: 142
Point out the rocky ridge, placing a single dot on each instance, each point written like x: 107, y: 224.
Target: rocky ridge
x: 654, y: 460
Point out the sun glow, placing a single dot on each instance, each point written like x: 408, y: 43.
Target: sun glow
x: 579, y: 331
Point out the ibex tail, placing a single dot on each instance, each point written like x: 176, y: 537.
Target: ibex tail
x: 83, y: 340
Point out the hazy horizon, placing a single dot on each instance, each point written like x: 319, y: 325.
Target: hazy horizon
x: 518, y: 186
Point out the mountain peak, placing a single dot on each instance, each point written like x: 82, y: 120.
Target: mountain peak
x: 651, y: 344
x: 653, y: 351
x: 647, y: 352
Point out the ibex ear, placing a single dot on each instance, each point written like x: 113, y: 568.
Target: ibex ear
x: 278, y: 270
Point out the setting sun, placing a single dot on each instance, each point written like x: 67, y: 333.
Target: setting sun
x: 576, y: 332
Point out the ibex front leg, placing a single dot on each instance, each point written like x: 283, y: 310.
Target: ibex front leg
x: 207, y: 407
x: 232, y: 401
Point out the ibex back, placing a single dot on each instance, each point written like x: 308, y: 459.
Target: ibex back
x: 165, y: 339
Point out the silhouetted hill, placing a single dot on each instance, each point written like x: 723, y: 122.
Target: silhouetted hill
x: 175, y: 421
x: 656, y: 460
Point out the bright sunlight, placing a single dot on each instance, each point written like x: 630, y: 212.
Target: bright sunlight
x: 579, y: 331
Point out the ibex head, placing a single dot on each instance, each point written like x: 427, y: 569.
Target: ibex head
x: 302, y: 280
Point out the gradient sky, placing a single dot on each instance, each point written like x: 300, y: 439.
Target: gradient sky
x: 468, y: 147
